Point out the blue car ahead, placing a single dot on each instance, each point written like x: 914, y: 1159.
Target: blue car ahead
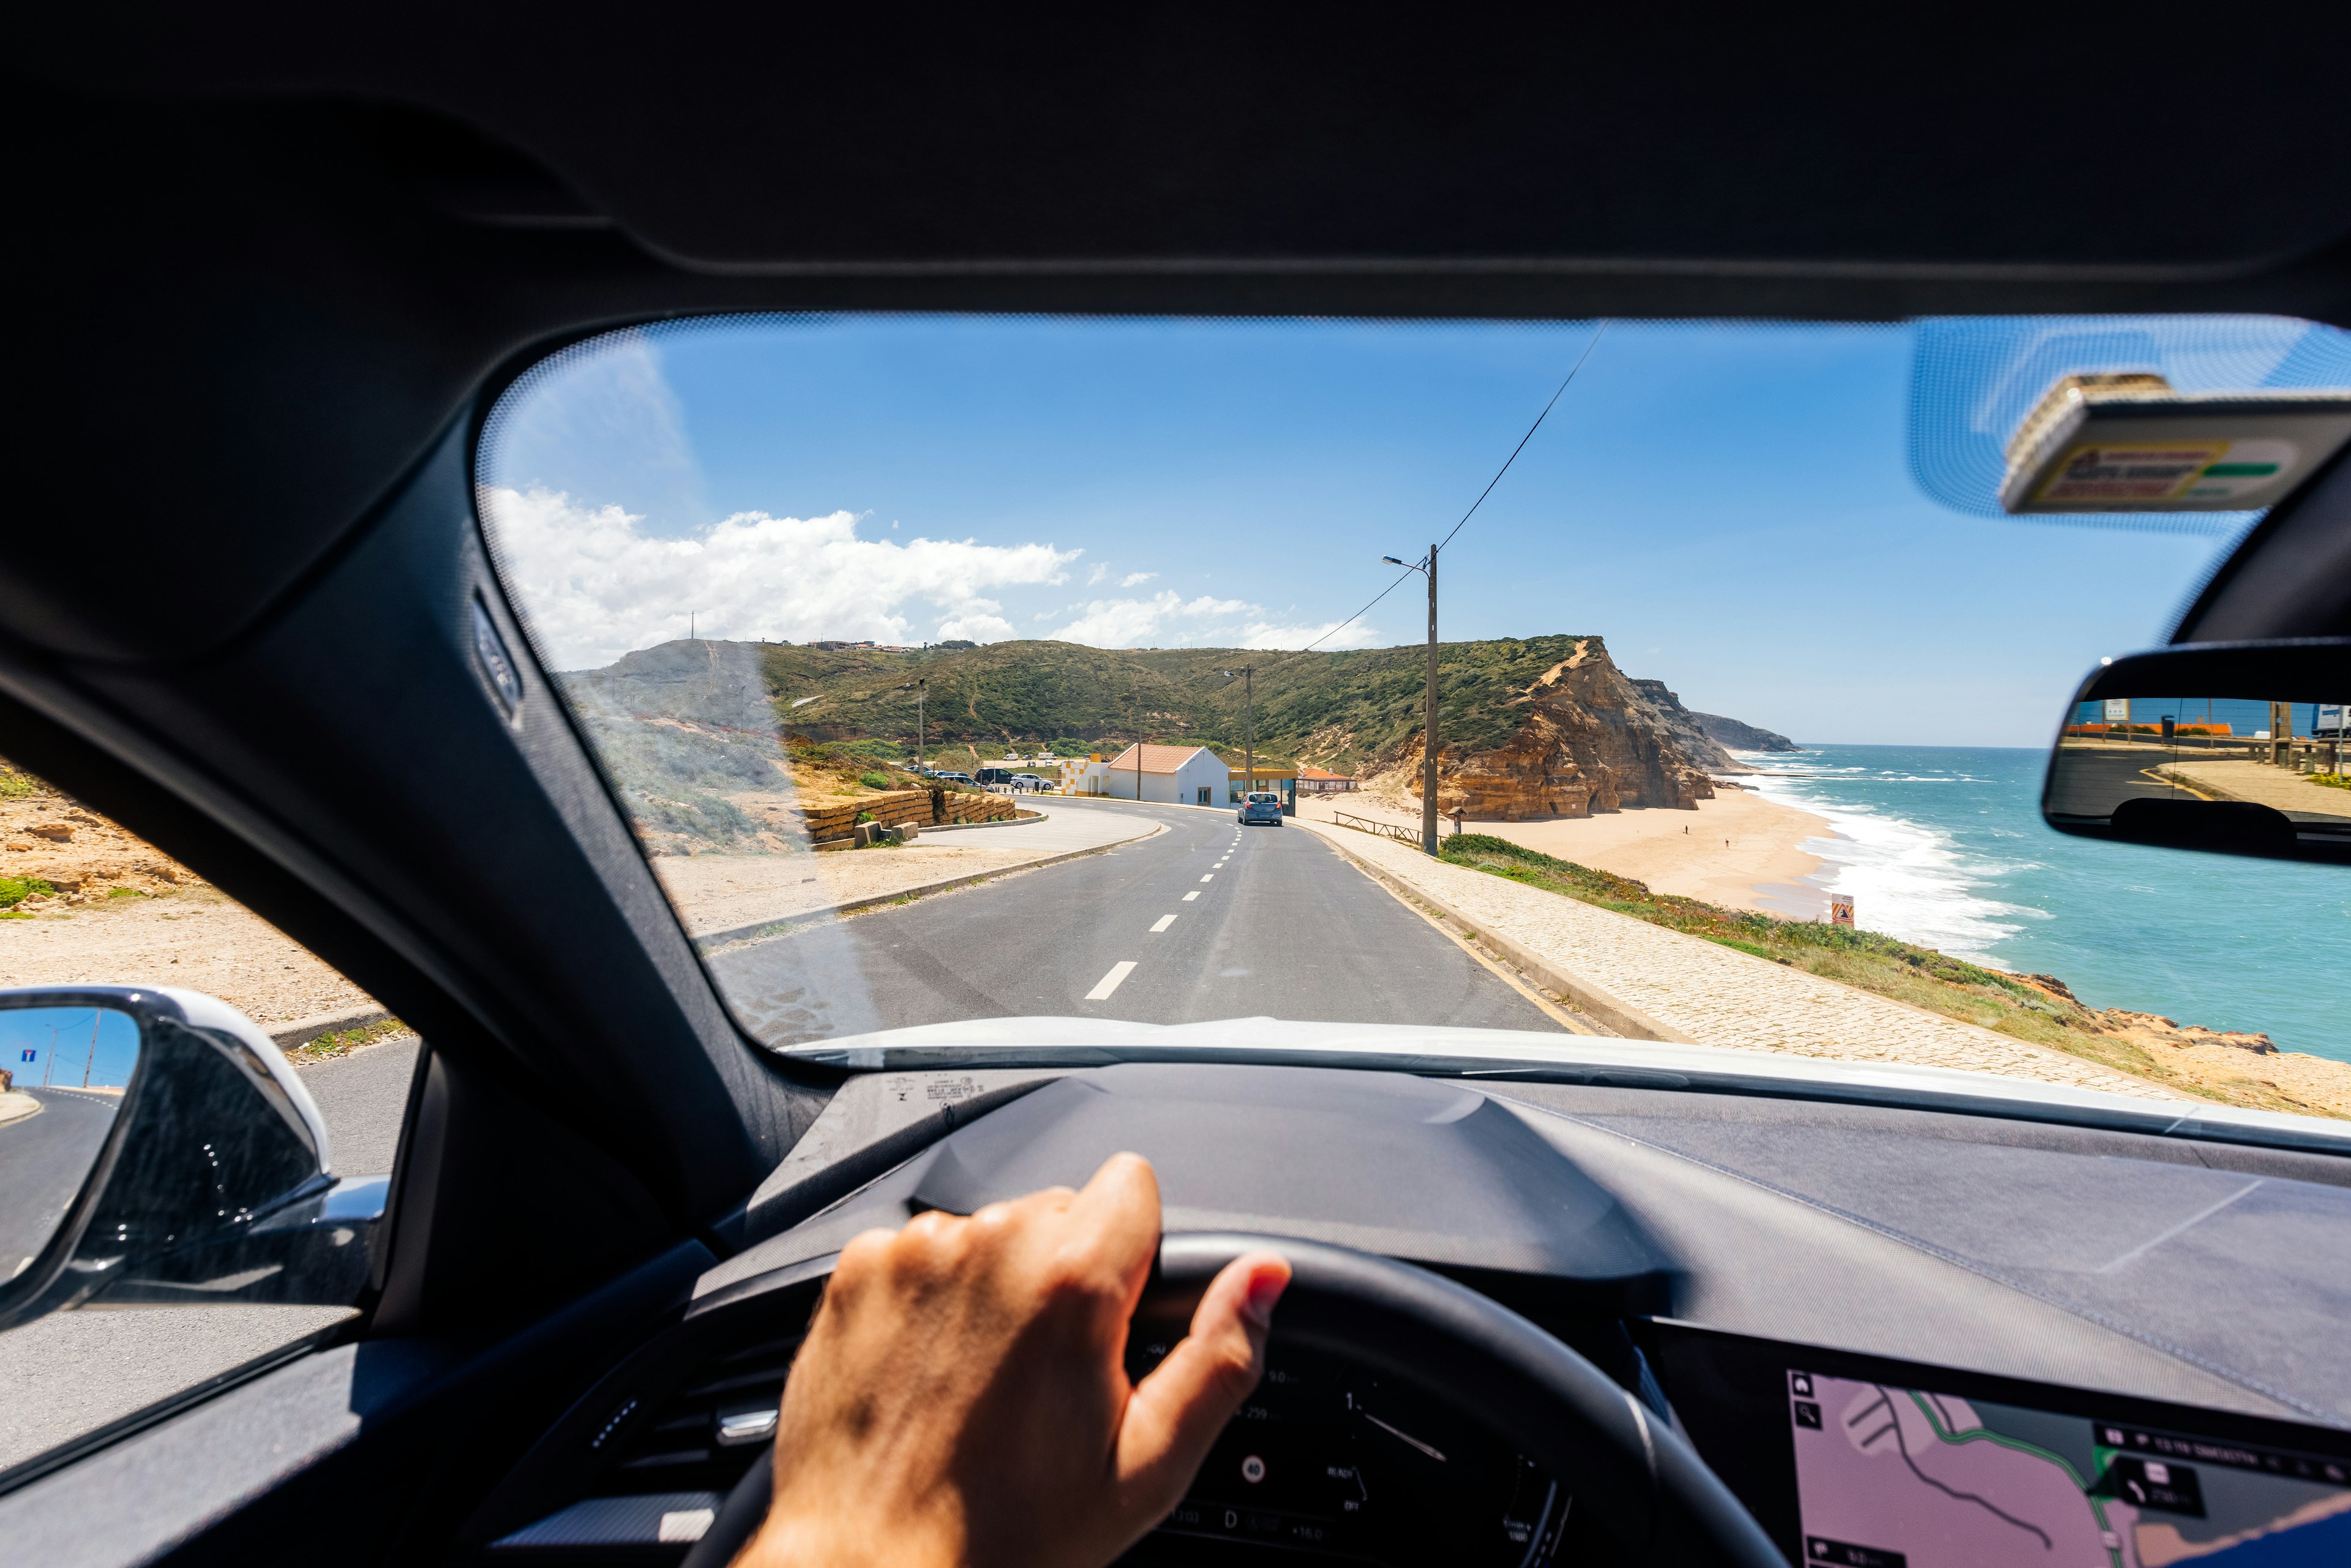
x: 1260, y: 806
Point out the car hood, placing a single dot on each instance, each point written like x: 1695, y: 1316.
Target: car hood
x: 1528, y: 1054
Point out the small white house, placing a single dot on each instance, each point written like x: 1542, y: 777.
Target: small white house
x: 1170, y: 775
x: 1083, y: 776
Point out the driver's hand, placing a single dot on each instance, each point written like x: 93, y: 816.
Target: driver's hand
x: 963, y: 1397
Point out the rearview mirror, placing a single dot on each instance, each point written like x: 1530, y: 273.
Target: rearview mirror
x: 160, y: 1149
x: 2238, y: 749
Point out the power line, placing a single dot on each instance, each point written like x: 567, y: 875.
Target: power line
x: 1481, y: 501
x: 1358, y: 616
x: 1529, y: 435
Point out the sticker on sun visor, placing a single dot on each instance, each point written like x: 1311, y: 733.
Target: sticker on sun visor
x: 2121, y: 473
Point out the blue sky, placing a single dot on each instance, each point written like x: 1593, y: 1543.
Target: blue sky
x: 97, y: 1042
x: 1731, y: 507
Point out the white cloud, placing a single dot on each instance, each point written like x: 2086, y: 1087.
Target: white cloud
x: 1168, y: 620
x: 1100, y: 571
x: 979, y: 628
x: 1132, y: 579
x: 1264, y: 634
x: 595, y: 585
x: 1120, y: 623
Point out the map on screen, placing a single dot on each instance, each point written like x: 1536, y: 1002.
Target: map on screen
x: 1902, y: 1477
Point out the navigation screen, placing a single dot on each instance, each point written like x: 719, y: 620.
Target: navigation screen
x: 1889, y: 1476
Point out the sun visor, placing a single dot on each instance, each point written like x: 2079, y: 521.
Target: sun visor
x: 2130, y: 442
x: 2174, y: 423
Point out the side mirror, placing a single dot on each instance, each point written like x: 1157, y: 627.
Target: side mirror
x: 164, y: 1151
x: 2234, y: 747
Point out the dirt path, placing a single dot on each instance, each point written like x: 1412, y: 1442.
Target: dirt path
x: 119, y: 911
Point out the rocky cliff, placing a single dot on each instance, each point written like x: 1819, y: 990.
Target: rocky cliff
x: 1587, y: 739
x: 1687, y: 726
x: 1741, y: 737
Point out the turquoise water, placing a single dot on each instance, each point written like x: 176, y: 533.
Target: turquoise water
x: 1944, y: 846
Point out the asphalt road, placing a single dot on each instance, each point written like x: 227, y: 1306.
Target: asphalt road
x: 44, y: 1158
x: 2094, y: 780
x: 362, y: 1097
x: 1204, y: 920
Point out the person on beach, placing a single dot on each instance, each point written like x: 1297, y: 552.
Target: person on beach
x: 962, y: 1397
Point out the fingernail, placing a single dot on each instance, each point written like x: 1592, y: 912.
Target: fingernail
x: 1265, y: 1289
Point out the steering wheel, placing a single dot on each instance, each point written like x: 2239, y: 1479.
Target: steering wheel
x: 1647, y: 1486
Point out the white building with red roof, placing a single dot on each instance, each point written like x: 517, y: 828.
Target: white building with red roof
x: 1171, y: 775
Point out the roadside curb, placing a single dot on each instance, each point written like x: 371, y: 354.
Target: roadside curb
x: 302, y: 1032
x: 1630, y: 1022
x: 16, y: 1105
x: 922, y: 831
x: 785, y: 925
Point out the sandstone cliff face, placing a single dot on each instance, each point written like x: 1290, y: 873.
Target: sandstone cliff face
x: 1589, y: 740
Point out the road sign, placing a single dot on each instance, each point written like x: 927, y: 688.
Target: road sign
x: 2118, y: 710
x: 1840, y: 909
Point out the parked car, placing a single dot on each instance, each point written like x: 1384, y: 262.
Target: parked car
x: 1260, y: 806
x: 1031, y: 781
x: 952, y: 778
x: 993, y: 775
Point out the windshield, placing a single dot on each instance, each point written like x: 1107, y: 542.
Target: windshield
x: 946, y: 667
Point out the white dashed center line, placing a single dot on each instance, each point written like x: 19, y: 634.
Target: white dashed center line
x: 1165, y: 922
x: 1191, y: 896
x: 1111, y: 982
x: 1210, y: 877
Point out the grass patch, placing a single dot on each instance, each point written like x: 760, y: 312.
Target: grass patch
x: 342, y: 1042
x: 126, y: 892
x: 14, y: 890
x: 1865, y: 960
x: 874, y: 780
x: 2332, y: 780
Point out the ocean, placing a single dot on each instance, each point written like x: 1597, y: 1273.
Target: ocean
x: 1944, y: 846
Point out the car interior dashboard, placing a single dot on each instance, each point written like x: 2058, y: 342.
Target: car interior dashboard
x: 1898, y: 1336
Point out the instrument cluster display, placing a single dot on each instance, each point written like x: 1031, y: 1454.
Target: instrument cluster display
x: 1328, y: 1459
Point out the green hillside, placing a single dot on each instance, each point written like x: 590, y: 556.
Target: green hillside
x: 1336, y: 710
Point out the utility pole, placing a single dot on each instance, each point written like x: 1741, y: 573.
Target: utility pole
x: 1248, y: 672
x: 96, y: 1015
x: 921, y: 688
x: 1429, y: 722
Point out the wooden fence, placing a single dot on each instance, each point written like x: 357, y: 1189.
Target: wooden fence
x: 1386, y: 829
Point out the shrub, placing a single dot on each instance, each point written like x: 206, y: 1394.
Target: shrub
x: 14, y: 889
x: 876, y: 780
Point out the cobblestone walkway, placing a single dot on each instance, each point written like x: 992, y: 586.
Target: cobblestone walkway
x: 1713, y: 995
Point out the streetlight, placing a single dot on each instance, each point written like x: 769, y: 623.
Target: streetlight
x: 1248, y: 674
x: 1429, y: 727
x: 920, y: 689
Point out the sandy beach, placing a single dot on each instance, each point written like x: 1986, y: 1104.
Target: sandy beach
x: 1737, y: 849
